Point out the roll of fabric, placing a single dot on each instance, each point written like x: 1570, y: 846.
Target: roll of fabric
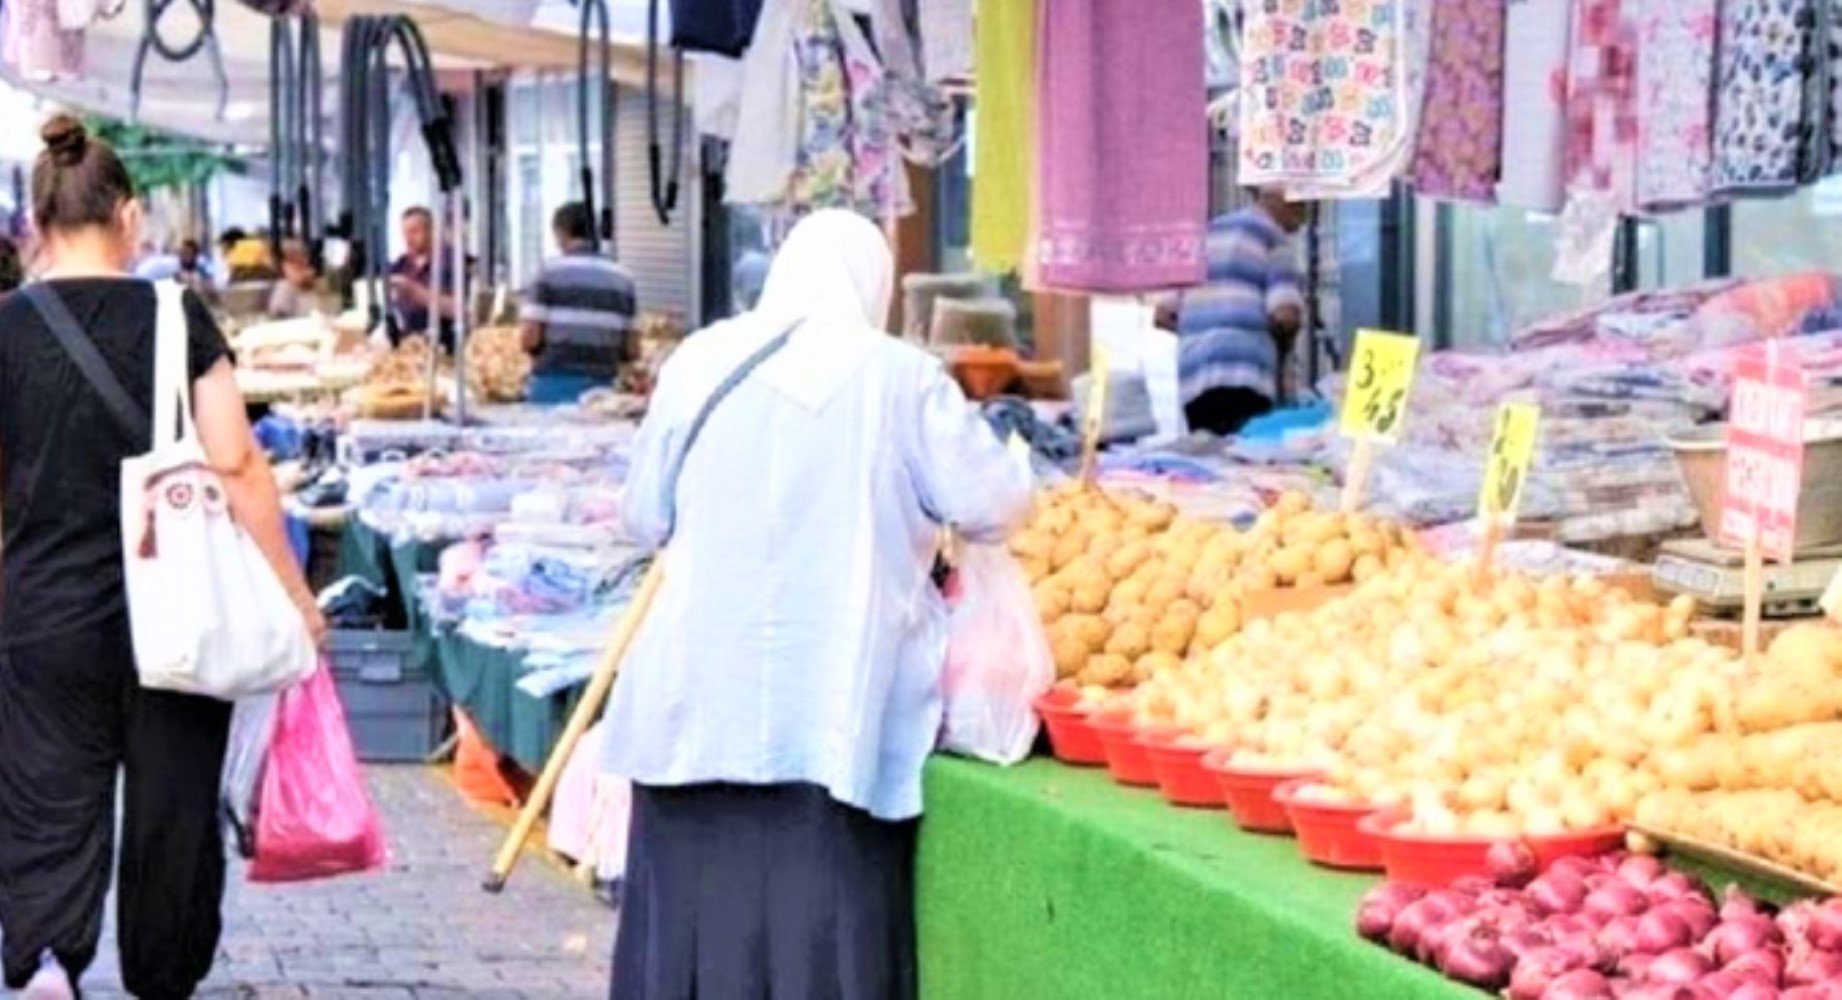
x: 1760, y: 97
x: 1675, y: 100
x: 1459, y: 148
x: 1005, y: 146
x: 1536, y: 36
x: 1123, y: 152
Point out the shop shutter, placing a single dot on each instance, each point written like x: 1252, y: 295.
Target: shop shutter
x: 662, y: 259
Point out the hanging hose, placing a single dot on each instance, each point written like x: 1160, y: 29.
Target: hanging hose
x: 282, y: 82
x: 664, y: 187
x: 603, y: 229
x: 153, y: 41
x: 310, y: 150
x: 365, y: 133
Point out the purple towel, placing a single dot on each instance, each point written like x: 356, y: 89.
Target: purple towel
x: 1123, y: 157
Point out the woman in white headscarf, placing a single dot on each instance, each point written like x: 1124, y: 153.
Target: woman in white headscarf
x: 779, y: 702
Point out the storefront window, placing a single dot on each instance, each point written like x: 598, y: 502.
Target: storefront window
x: 1784, y: 236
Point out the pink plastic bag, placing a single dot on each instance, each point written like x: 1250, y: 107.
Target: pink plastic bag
x: 998, y: 660
x: 315, y: 819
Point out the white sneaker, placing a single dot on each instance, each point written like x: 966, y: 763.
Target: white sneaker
x: 50, y: 982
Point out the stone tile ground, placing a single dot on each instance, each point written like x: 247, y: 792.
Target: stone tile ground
x: 423, y: 928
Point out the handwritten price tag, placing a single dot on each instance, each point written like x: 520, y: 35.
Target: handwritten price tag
x: 1765, y: 452
x: 1018, y: 447
x: 1093, y: 415
x: 1380, y: 378
x: 1512, y: 451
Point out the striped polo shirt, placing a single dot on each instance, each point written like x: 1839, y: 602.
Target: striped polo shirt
x: 1224, y: 337
x: 585, y: 304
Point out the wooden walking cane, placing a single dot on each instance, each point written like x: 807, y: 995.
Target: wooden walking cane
x: 597, y: 692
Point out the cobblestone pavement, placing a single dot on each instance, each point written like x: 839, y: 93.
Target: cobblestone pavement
x: 422, y: 928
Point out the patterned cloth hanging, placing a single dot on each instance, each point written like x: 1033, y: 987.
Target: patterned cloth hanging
x: 1602, y: 101
x: 1330, y: 94
x: 1675, y: 100
x: 1459, y: 148
x: 1761, y: 97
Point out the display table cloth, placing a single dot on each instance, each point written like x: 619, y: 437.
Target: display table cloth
x: 1049, y: 881
x: 482, y: 680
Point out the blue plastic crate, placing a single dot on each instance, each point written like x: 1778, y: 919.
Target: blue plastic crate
x: 396, y: 714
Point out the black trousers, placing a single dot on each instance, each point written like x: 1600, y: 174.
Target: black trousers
x: 743, y: 892
x: 72, y: 715
x: 1223, y: 412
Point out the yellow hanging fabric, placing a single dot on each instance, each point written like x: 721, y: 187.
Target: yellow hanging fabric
x: 1004, y: 168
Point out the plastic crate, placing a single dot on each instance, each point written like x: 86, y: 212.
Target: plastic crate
x: 396, y: 714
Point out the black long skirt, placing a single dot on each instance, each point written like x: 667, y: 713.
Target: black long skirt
x: 750, y: 893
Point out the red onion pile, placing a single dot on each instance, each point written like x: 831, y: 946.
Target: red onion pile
x: 1621, y: 927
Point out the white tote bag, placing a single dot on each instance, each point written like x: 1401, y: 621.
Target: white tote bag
x: 208, y: 613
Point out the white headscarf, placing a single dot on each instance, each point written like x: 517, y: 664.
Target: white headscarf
x: 834, y: 277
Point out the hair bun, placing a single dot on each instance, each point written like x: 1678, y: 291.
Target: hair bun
x: 65, y: 139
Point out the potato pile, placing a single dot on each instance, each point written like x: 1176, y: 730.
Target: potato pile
x: 498, y: 367
x: 397, y: 387
x: 1128, y: 587
x: 1766, y: 782
x: 1489, y: 706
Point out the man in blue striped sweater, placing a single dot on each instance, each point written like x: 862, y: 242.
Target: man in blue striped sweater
x: 578, y: 316
x: 1234, y: 329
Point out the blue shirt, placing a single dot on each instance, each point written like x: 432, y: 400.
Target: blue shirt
x: 1224, y: 330
x: 797, y: 635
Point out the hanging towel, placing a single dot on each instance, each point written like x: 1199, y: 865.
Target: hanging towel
x: 1004, y: 152
x: 1602, y: 101
x: 1832, y: 58
x: 1329, y: 95
x: 1675, y: 101
x: 1459, y: 146
x: 1536, y: 36
x: 1124, y: 154
x: 1760, y: 102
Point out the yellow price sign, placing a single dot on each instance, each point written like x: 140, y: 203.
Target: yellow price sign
x: 1379, y: 379
x: 1093, y: 414
x: 1512, y: 451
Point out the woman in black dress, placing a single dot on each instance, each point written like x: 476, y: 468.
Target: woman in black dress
x: 72, y: 713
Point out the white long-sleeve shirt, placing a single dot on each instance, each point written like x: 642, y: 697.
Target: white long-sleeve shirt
x: 797, y: 636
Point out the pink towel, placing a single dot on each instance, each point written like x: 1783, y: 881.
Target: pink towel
x: 1123, y: 159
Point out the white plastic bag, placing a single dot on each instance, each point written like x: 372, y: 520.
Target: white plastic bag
x: 998, y: 660
x: 208, y: 614
x: 252, y: 727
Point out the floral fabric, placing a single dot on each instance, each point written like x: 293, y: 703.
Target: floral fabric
x: 36, y: 45
x: 847, y: 157
x: 1460, y: 146
x: 1675, y: 94
x: 1761, y: 95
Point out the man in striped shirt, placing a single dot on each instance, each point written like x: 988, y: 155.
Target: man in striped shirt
x: 578, y: 315
x: 1231, y: 329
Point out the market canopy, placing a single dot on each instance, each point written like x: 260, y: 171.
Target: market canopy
x: 463, y: 35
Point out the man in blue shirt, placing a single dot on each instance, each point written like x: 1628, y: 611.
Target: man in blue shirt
x: 1233, y: 329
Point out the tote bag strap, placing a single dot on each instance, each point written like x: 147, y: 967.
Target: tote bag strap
x: 89, y: 361
x: 172, y: 389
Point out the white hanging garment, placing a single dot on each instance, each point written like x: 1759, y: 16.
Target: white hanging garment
x: 766, y: 145
x: 946, y: 40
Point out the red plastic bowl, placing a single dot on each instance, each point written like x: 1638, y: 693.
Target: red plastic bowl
x: 1433, y: 862
x: 1328, y: 833
x: 1177, y: 762
x: 1249, y: 793
x: 1127, y: 760
x: 1071, y: 734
